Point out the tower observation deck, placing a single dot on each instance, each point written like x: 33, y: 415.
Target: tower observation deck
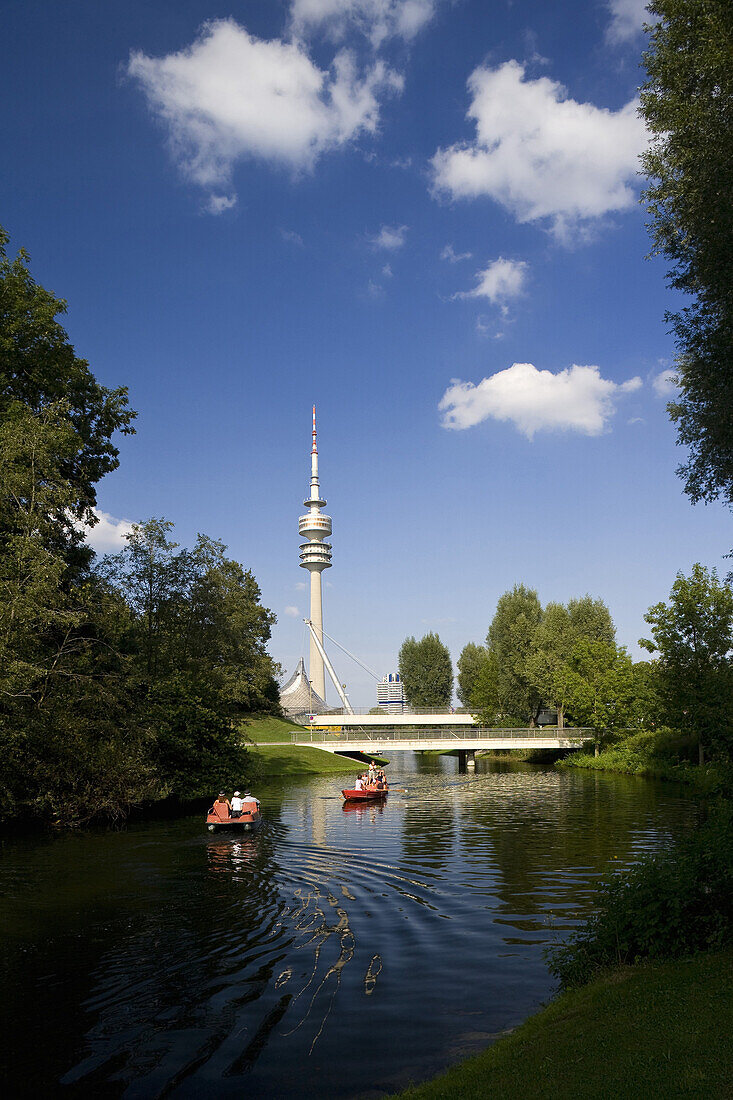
x: 315, y: 556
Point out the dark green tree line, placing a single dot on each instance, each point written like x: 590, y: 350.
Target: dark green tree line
x: 687, y: 102
x: 122, y: 682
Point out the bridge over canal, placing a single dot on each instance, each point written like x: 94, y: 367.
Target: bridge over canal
x: 389, y: 733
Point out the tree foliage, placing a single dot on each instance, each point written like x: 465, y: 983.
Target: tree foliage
x: 426, y: 672
x: 119, y: 683
x: 506, y: 688
x: 39, y: 368
x: 693, y: 635
x: 687, y: 102
x: 470, y: 663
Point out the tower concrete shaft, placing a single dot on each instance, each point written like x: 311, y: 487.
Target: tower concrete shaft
x: 315, y: 556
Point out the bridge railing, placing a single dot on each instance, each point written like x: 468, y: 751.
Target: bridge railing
x: 444, y: 733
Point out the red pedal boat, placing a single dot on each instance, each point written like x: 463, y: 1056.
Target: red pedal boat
x: 368, y: 794
x: 248, y: 821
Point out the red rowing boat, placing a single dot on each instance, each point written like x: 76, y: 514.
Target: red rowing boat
x: 368, y: 794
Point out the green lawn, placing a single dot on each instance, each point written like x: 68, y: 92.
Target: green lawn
x: 278, y: 756
x: 301, y: 760
x: 657, y: 1030
x: 269, y: 729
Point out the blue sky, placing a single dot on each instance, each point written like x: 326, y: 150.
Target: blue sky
x: 422, y: 216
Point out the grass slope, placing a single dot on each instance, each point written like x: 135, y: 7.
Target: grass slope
x: 657, y: 1030
x: 277, y: 755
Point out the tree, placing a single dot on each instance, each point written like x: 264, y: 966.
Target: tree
x: 39, y: 368
x: 70, y: 745
x: 693, y: 635
x: 598, y: 687
x: 426, y: 672
x: 687, y: 102
x: 505, y: 688
x: 557, y: 635
x: 198, y: 612
x: 470, y: 663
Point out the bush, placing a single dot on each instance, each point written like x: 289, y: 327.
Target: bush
x: 676, y: 903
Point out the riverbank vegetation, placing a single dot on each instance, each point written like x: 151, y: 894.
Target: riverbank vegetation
x: 651, y: 1030
x: 121, y: 680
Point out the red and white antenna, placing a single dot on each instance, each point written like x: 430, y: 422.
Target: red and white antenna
x: 314, y: 449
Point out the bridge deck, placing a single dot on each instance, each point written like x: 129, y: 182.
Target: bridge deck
x: 437, y: 739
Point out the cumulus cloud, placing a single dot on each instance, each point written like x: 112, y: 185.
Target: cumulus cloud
x: 377, y: 20
x: 665, y: 383
x: 540, y: 154
x: 230, y: 96
x: 291, y: 237
x: 390, y: 237
x: 500, y: 281
x: 627, y: 19
x: 292, y: 612
x: 576, y: 399
x: 109, y: 534
x: 453, y: 257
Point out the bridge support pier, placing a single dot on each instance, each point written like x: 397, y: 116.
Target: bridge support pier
x: 466, y: 759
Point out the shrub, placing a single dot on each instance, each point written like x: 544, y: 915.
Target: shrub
x: 671, y: 904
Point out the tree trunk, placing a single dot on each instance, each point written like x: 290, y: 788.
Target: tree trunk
x: 700, y: 753
x: 560, y: 718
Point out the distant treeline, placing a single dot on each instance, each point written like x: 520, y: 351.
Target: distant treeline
x: 121, y: 680
x: 565, y: 659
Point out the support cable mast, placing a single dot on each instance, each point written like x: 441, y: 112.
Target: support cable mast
x: 329, y: 667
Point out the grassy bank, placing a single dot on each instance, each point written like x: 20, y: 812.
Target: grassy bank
x: 654, y: 756
x: 276, y: 755
x: 650, y: 1030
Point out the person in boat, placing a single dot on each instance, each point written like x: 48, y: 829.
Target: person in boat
x: 359, y: 785
x: 237, y: 803
x: 251, y: 798
x: 372, y: 772
x: 223, y: 799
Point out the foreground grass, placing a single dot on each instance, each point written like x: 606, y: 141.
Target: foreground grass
x: 654, y: 1030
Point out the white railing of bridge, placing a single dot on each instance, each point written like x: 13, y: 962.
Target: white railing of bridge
x: 478, y: 733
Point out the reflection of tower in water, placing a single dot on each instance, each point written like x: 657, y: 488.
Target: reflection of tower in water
x: 315, y: 556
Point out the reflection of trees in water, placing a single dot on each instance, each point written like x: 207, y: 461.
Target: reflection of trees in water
x: 428, y: 828
x: 548, y: 840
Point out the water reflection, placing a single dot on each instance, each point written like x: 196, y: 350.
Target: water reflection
x: 179, y: 962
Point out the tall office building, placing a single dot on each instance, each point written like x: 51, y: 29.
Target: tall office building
x: 390, y: 694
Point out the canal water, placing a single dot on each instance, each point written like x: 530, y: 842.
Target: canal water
x: 338, y: 953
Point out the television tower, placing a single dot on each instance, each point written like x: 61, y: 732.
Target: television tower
x: 315, y: 556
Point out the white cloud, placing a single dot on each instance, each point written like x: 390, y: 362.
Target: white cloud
x: 217, y: 204
x: 454, y: 257
x: 541, y: 154
x: 500, y: 281
x: 390, y: 237
x: 230, y: 95
x: 665, y: 384
x: 108, y: 535
x: 575, y: 399
x: 376, y: 19
x: 627, y: 18
x: 387, y: 271
x: 300, y: 586
x: 292, y: 612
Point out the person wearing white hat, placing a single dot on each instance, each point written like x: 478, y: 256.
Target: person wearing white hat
x: 237, y: 803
